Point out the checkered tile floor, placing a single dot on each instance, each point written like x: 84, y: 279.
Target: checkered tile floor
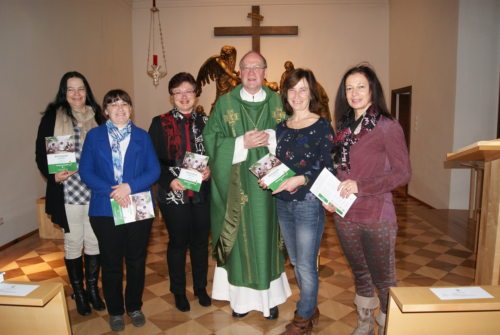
x: 425, y: 257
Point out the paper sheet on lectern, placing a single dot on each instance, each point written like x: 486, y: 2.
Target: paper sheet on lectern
x: 18, y: 290
x: 458, y: 293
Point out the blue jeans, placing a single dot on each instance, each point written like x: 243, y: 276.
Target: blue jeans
x: 302, y: 224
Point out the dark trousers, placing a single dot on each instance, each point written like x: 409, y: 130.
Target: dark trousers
x: 188, y: 226
x: 370, y: 251
x: 116, y: 243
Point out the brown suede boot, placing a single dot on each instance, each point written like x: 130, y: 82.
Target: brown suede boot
x: 299, y: 326
x: 315, y: 317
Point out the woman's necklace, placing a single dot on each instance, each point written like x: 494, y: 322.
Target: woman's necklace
x: 249, y: 118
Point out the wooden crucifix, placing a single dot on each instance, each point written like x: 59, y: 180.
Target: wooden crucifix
x: 256, y: 30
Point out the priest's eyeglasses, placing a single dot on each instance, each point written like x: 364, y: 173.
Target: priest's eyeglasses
x: 253, y: 68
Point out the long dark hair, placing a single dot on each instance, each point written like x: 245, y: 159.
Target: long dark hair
x: 291, y: 80
x: 60, y: 100
x: 344, y: 114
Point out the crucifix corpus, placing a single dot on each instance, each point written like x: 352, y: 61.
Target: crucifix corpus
x: 256, y: 30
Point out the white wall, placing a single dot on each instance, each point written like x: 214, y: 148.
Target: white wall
x: 40, y: 41
x: 448, y: 51
x: 476, y: 102
x: 423, y: 51
x: 333, y: 35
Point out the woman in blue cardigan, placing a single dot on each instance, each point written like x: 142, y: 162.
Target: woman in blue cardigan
x: 118, y: 159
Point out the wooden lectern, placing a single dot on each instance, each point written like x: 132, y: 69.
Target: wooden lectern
x: 418, y: 311
x: 42, y: 311
x: 488, y: 244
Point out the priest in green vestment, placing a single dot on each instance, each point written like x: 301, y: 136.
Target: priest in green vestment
x: 246, y: 239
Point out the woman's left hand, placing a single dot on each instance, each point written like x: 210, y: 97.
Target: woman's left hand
x: 120, y: 194
x: 348, y: 187
x: 291, y: 184
x: 205, y: 174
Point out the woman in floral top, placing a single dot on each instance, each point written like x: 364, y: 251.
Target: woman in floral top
x: 304, y: 144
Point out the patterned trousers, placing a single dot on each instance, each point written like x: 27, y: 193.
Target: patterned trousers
x: 370, y: 251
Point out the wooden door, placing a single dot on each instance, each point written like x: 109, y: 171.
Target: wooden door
x: 401, y: 110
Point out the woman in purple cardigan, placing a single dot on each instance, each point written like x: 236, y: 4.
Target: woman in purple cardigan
x: 371, y: 160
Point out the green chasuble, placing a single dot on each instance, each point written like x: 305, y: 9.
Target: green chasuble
x: 245, y: 233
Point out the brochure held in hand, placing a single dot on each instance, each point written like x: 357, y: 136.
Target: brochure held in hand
x: 140, y: 208
x: 325, y: 189
x: 61, y: 154
x: 191, y: 175
x: 271, y: 170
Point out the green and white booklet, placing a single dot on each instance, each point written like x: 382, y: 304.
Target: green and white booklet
x: 192, y: 168
x: 325, y: 189
x: 61, y: 154
x: 140, y: 208
x: 271, y: 170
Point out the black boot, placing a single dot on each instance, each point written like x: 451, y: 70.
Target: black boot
x: 92, y: 266
x: 273, y: 313
x: 203, y: 297
x: 181, y: 302
x: 75, y: 274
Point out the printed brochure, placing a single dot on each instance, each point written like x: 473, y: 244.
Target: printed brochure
x: 140, y: 208
x: 325, y: 188
x: 191, y: 172
x: 61, y: 153
x: 272, y: 171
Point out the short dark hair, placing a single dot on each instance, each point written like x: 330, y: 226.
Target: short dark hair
x: 343, y: 112
x: 291, y: 80
x: 60, y: 101
x: 115, y: 95
x: 182, y: 77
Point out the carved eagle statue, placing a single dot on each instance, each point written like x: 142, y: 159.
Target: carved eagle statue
x: 221, y: 69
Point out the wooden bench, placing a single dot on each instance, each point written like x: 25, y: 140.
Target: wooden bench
x: 46, y: 229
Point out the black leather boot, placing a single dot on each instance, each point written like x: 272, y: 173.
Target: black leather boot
x: 181, y: 302
x: 273, y: 313
x: 203, y: 297
x: 75, y: 274
x: 92, y: 266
